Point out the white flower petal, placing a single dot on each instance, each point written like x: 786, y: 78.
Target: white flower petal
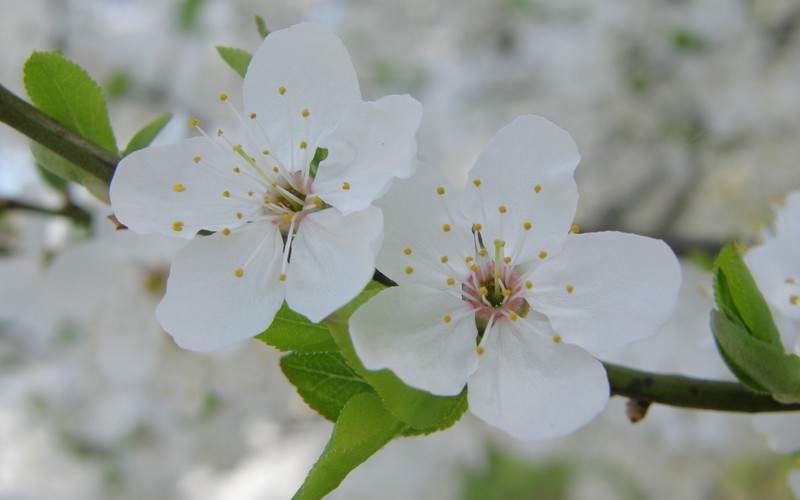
x: 607, y: 289
x: 163, y: 189
x: 776, y: 269
x: 332, y: 260
x: 533, y: 388
x: 304, y: 67
x: 414, y: 220
x: 207, y: 306
x: 373, y: 143
x: 526, y: 174
x: 404, y: 329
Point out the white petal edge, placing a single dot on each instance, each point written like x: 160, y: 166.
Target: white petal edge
x: 604, y: 290
x: 304, y: 67
x: 207, y: 306
x: 332, y: 260
x: 403, y: 329
x: 771, y: 265
x: 528, y: 169
x: 157, y: 187
x: 414, y: 220
x: 535, y: 389
x: 373, y: 143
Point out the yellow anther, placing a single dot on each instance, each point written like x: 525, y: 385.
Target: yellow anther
x: 236, y: 170
x: 281, y: 277
x: 479, y: 350
x: 194, y: 122
x: 446, y: 228
x: 440, y: 190
x: 345, y: 186
x: 239, y: 215
x: 444, y: 259
x: 305, y: 113
x: 527, y: 226
x: 281, y: 90
x: 477, y: 182
x: 575, y: 228
x: 275, y: 169
x: 239, y: 272
x: 502, y: 209
x: 506, y: 292
x: 226, y: 194
x: 794, y: 299
x: 196, y: 159
x: 513, y: 316
x: 179, y: 188
x: 542, y: 254
x: 484, y: 291
x: 557, y: 339
x: 226, y: 231
x: 253, y: 116
x: 265, y: 152
x: 528, y: 285
x: 570, y: 288
x: 287, y: 217
x: 249, y: 193
x: 223, y: 97
x: 409, y: 270
x: 468, y: 259
x: 451, y: 281
x: 316, y: 201
x: 790, y: 281
x: 538, y: 188
x: 177, y: 226
x: 303, y: 144
x: 407, y: 251
x: 474, y: 268
x: 219, y: 132
x: 447, y: 318
x: 266, y: 200
x: 477, y: 227
x: 507, y: 260
x: 483, y: 252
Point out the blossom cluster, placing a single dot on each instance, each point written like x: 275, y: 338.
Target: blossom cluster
x: 497, y: 290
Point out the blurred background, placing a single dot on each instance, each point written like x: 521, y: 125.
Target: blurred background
x: 687, y: 116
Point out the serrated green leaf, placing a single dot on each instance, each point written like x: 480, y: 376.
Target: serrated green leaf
x: 739, y: 298
x: 761, y: 366
x: 261, y: 26
x: 422, y: 411
x: 67, y: 170
x: 237, y: 59
x: 63, y: 90
x: 324, y: 381
x: 291, y: 331
x: 146, y: 134
x: 363, y: 428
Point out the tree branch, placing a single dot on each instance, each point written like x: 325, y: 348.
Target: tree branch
x: 687, y: 392
x: 56, y: 137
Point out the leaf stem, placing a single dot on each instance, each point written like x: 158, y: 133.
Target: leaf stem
x: 73, y: 212
x: 51, y: 134
x: 688, y: 392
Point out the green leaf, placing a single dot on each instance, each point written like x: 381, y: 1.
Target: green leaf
x: 363, y: 428
x: 63, y: 90
x: 422, y: 411
x: 237, y: 59
x: 146, y: 134
x: 67, y: 170
x: 291, y: 331
x: 739, y: 298
x: 261, y: 26
x: 324, y: 381
x: 761, y: 366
